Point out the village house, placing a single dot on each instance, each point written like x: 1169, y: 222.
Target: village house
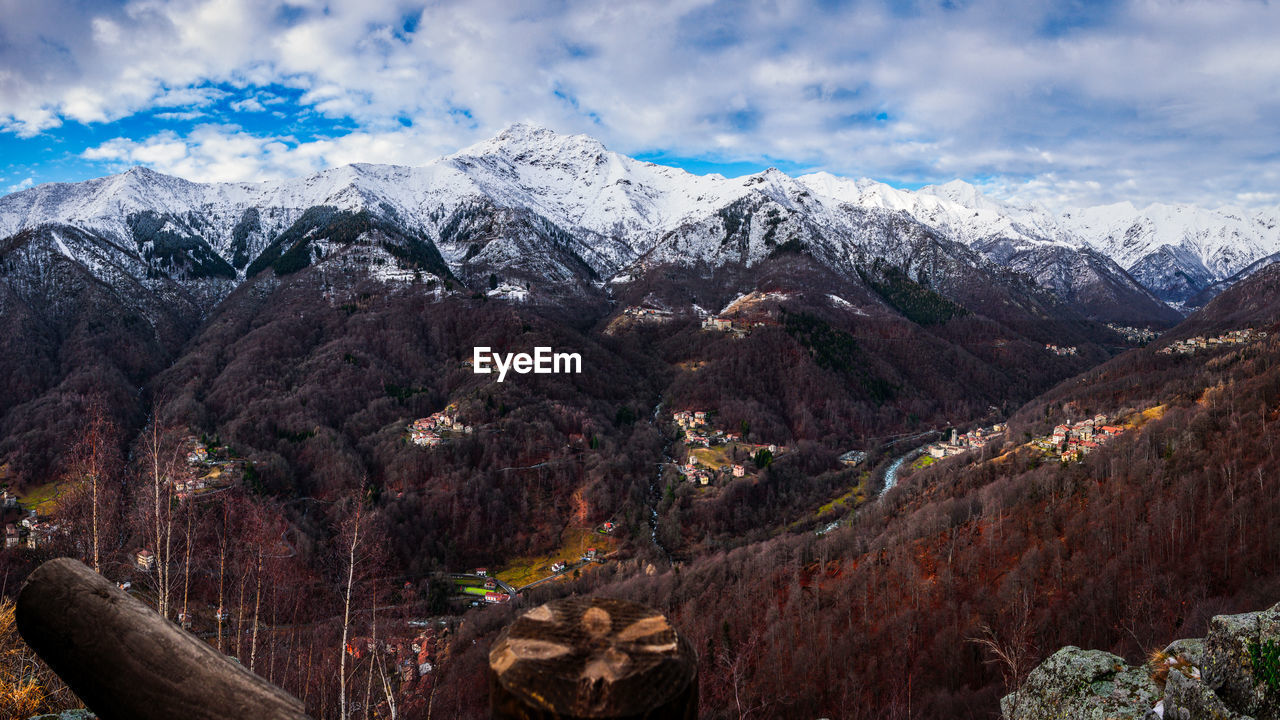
x: 717, y: 323
x: 12, y: 536
x: 496, y: 597
x: 145, y: 559
x: 739, y: 471
x: 425, y: 438
x: 558, y: 566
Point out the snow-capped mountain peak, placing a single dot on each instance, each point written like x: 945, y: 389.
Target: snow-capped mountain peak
x: 618, y: 209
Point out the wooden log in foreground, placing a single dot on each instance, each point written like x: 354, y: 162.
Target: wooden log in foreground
x: 592, y: 658
x: 125, y: 661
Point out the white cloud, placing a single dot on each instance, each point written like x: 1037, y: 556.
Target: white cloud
x: 248, y: 105
x: 1144, y: 101
x: 185, y: 115
x: 23, y: 185
x: 224, y: 153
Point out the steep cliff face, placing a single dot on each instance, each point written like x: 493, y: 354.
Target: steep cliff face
x: 1233, y: 673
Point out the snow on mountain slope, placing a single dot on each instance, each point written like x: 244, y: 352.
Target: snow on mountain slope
x: 1176, y: 250
x: 590, y: 214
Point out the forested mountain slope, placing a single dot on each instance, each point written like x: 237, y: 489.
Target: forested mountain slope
x: 1142, y: 541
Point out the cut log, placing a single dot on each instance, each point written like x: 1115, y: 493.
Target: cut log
x: 128, y: 663
x: 592, y: 658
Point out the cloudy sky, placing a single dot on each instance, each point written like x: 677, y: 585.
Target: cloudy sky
x: 1072, y: 102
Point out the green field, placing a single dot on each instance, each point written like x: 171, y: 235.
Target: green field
x: 42, y: 498
x: 854, y: 497
x: 574, y: 541
x: 923, y: 462
x: 714, y: 457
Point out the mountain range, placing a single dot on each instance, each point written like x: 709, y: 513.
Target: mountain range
x: 299, y: 329
x: 549, y: 214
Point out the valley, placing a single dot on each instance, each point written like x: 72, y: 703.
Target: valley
x: 832, y: 429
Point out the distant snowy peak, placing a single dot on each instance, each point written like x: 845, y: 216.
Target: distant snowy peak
x: 1177, y: 250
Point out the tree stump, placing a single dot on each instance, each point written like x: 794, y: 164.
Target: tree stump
x: 125, y: 661
x: 592, y: 658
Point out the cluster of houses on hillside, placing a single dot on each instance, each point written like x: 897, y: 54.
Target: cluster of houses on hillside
x: 213, y: 468
x: 490, y: 592
x: 958, y: 443
x: 719, y: 324
x: 429, y: 431
x: 187, y: 488
x: 698, y: 433
x: 736, y: 328
x: 1194, y: 344
x: 412, y: 658
x: 1134, y: 335
x: 1071, y: 442
x: 1061, y: 349
x: 695, y: 472
x: 30, y: 532
x: 641, y: 312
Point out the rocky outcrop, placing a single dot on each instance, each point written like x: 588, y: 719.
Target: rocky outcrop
x: 1232, y: 674
x: 1242, y: 662
x: 1075, y: 684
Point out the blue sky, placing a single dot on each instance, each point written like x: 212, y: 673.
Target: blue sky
x: 1074, y: 102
